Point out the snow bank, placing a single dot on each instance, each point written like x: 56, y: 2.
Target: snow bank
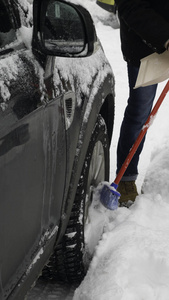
x: 131, y: 261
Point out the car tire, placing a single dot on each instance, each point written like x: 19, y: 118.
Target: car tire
x: 68, y: 263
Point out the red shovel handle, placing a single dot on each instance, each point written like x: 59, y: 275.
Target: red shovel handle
x: 141, y: 134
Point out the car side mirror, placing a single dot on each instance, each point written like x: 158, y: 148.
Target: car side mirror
x: 62, y: 29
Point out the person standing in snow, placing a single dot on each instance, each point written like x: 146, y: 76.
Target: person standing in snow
x: 144, y: 29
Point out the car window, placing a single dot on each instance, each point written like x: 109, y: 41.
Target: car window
x: 7, y: 33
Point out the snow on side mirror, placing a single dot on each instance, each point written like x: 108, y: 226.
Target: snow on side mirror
x: 62, y: 29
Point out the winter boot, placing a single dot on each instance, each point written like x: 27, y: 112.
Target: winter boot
x: 128, y: 191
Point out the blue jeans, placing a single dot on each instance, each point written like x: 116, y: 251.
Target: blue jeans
x: 137, y: 111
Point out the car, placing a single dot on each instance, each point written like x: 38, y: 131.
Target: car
x: 56, y: 124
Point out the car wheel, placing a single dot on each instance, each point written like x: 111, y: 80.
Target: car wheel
x: 69, y: 260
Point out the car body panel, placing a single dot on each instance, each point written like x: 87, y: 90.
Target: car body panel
x: 47, y: 113
x: 30, y: 191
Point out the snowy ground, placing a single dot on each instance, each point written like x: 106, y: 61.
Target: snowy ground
x: 131, y: 261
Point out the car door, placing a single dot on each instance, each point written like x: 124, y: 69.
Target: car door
x: 32, y: 161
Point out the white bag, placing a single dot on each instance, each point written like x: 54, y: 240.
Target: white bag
x: 153, y: 69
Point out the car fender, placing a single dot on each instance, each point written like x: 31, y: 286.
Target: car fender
x: 101, y: 103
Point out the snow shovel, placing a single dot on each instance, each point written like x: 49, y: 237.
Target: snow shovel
x: 108, y: 193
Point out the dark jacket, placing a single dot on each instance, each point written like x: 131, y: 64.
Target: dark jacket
x: 144, y: 27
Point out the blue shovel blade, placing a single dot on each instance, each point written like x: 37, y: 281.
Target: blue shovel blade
x: 109, y: 196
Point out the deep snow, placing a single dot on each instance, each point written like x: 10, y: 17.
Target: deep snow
x: 131, y: 261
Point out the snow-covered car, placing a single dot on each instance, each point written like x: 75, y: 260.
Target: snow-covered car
x: 56, y: 123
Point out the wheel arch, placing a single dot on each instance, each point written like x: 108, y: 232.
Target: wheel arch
x: 67, y: 262
x: 105, y: 107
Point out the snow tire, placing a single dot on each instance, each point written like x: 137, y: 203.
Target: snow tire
x: 67, y: 263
